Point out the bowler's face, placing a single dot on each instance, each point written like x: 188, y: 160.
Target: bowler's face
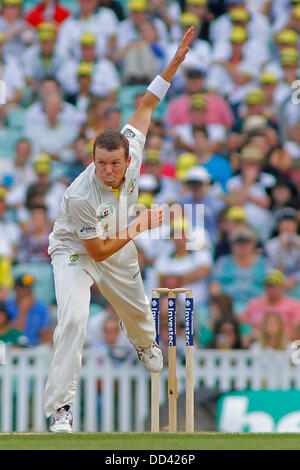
x: 111, y: 166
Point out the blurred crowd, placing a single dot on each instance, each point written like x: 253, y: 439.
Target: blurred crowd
x: 226, y: 140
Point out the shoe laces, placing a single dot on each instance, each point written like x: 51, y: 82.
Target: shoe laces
x: 149, y: 351
x: 62, y: 416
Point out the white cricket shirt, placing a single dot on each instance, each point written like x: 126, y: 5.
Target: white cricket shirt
x: 89, y: 206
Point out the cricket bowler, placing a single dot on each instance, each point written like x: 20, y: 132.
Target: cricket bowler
x: 91, y: 242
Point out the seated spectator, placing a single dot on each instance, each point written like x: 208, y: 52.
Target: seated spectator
x: 27, y: 314
x: 273, y: 300
x: 166, y: 191
x: 36, y: 115
x: 272, y: 336
x: 283, y: 251
x: 198, y: 183
x: 12, y: 75
x: 17, y: 32
x: 203, y: 9
x: 10, y: 336
x: 283, y: 194
x: 33, y: 245
x: 218, y: 167
x: 83, y: 97
x: 220, y: 307
x: 226, y: 335
x: 240, y: 274
x: 20, y: 172
x: 95, y: 327
x: 199, y: 56
x: 110, y: 346
x: 95, y: 122
x: 142, y: 59
x: 166, y: 10
x: 249, y: 189
x: 218, y: 111
x: 103, y: 24
x: 10, y: 232
x: 47, y: 11
x: 229, y: 219
x: 54, y: 135
x: 187, y: 268
x: 184, y: 134
x: 293, y: 143
x: 236, y: 69
x: 258, y: 26
x: 104, y: 77
x: 42, y: 59
x: 129, y: 29
x: 82, y: 157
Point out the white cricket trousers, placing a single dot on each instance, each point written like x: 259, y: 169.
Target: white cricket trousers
x: 119, y: 280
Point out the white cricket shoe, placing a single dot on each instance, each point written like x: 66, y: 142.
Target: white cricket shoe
x: 151, y: 356
x: 62, y: 420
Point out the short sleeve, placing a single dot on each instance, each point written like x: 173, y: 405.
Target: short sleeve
x: 84, y: 218
x: 136, y: 141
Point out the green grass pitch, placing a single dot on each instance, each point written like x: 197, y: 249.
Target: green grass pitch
x: 148, y: 441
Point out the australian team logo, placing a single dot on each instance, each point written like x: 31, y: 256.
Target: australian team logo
x: 73, y: 260
x: 129, y: 133
x: 106, y: 211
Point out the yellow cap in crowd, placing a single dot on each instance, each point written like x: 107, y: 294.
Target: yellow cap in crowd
x: 238, y: 34
x: 239, y: 14
x: 296, y: 12
x: 197, y: 2
x: 289, y: 56
x: 137, y: 5
x: 189, y: 19
x: 236, y: 214
x: 42, y: 164
x: 85, y: 69
x: 198, y: 101
x: 268, y: 78
x: 184, y: 161
x: 287, y: 36
x: 275, y: 278
x: 12, y: 2
x: 152, y: 157
x: 145, y: 199
x: 88, y: 39
x: 256, y: 96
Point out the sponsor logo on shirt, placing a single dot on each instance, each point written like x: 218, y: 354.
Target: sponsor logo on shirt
x: 106, y: 211
x: 131, y: 186
x: 129, y: 133
x: 73, y: 260
x: 87, y: 229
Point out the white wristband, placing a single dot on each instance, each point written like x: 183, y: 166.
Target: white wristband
x: 159, y: 87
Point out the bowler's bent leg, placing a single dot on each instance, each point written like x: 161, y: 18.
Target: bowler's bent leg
x: 72, y: 287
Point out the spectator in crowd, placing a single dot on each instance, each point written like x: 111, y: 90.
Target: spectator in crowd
x: 102, y: 23
x: 110, y: 346
x: 283, y: 251
x: 47, y: 11
x: 13, y: 77
x: 104, y: 76
x: 198, y: 182
x: 129, y: 29
x: 54, y: 135
x: 226, y: 335
x: 184, y: 134
x: 95, y: 121
x: 220, y: 307
x: 10, y: 336
x: 283, y: 194
x: 218, y: 111
x: 249, y: 189
x: 82, y: 157
x: 273, y: 300
x: 33, y: 245
x: 240, y: 274
x: 229, y: 219
x: 10, y: 232
x: 27, y: 314
x: 186, y: 267
x: 272, y: 335
x: 142, y: 59
x: 42, y: 60
x: 17, y: 32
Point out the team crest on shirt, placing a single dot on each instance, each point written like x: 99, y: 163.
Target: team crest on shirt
x: 129, y: 133
x: 131, y: 185
x: 106, y: 211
